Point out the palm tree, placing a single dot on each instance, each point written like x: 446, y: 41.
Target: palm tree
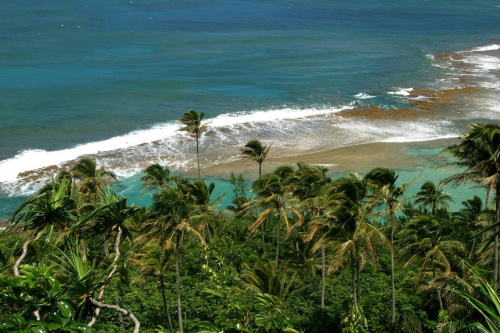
x: 429, y: 248
x: 205, y: 209
x: 43, y: 212
x: 384, y: 182
x: 173, y: 209
x: 257, y: 152
x: 156, y: 176
x: 479, y: 161
x: 323, y: 229
x: 192, y: 124
x: 274, y: 200
x: 155, y: 260
x: 433, y: 197
x: 306, y: 183
x: 92, y: 179
x: 345, y: 228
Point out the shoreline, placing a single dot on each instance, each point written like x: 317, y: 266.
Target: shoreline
x: 358, y: 158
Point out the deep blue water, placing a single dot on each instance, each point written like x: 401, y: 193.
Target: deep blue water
x: 75, y: 72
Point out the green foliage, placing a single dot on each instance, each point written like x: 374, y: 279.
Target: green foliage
x: 226, y: 281
x: 37, y: 293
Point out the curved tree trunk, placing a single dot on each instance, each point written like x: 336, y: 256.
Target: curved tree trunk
x: 21, y: 257
x: 15, y: 269
x: 100, y: 305
x: 110, y: 275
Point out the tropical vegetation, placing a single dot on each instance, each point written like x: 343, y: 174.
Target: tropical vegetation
x: 300, y: 252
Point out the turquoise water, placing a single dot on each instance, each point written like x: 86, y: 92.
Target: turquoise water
x: 90, y: 77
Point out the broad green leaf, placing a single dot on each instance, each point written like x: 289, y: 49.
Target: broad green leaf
x: 66, y: 309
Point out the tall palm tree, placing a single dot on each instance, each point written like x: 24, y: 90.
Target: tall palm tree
x: 478, y: 159
x: 173, y: 209
x: 306, y: 183
x: 155, y: 260
x: 384, y: 182
x: 342, y: 226
x: 92, y: 179
x: 54, y: 208
x: 323, y: 229
x: 204, y: 209
x: 274, y: 200
x: 156, y: 176
x: 257, y: 152
x: 192, y: 121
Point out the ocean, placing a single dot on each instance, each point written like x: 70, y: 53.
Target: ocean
x: 109, y: 79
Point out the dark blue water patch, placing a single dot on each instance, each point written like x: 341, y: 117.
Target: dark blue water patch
x: 8, y: 206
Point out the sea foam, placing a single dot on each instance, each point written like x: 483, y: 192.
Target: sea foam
x: 401, y: 91
x: 167, y: 133
x: 363, y: 96
x: 491, y: 47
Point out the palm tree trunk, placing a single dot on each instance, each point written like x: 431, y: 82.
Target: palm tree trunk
x: 110, y: 275
x: 358, y: 278
x: 100, y: 305
x: 323, y: 277
x: 277, y: 239
x: 353, y: 280
x: 441, y: 307
x: 497, y: 230
x: 178, y: 283
x: 162, y: 287
x: 393, y: 287
x: 297, y: 244
x: 263, y: 236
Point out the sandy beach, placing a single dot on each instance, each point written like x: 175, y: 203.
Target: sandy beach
x: 359, y: 158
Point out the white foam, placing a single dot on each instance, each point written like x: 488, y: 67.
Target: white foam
x: 33, y: 159
x: 491, y: 47
x: 363, y: 96
x: 483, y: 62
x: 401, y: 92
x: 238, y: 118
